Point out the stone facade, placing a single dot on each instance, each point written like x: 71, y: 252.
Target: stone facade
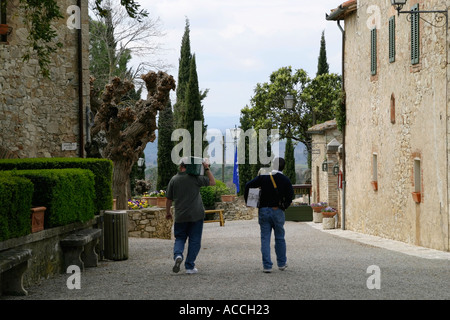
x: 397, y: 125
x: 326, y: 139
x: 39, y: 115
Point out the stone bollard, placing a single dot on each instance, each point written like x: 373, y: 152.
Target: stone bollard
x: 328, y: 223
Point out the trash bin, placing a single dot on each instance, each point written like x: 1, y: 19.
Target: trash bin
x: 116, y: 235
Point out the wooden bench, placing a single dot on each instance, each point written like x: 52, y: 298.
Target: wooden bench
x: 220, y: 212
x: 79, y: 248
x: 13, y: 264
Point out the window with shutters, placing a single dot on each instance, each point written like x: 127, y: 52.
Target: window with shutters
x: 392, y: 39
x: 373, y: 51
x: 415, y: 47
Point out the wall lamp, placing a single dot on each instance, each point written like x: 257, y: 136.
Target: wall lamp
x: 398, y: 5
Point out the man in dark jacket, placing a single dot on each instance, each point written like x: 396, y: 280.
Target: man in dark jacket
x: 271, y: 208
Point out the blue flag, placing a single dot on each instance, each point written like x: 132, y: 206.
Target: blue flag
x: 236, y: 170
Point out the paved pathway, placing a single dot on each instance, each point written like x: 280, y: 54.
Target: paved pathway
x: 322, y: 265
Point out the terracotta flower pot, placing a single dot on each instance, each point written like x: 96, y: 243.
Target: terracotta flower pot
x: 317, y: 209
x: 161, y: 202
x: 153, y: 201
x: 37, y: 218
x: 328, y: 214
x: 227, y: 198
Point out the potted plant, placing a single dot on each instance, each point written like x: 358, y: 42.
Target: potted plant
x: 227, y: 197
x: 37, y: 218
x: 161, y: 199
x: 328, y: 212
x: 318, y: 206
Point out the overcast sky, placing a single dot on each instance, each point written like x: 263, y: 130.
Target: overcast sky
x: 239, y: 43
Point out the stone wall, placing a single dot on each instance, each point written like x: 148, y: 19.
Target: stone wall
x: 38, y: 115
x: 400, y: 116
x: 47, y: 258
x: 149, y: 223
x: 236, y: 210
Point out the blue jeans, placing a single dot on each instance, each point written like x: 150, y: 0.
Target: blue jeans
x: 184, y: 231
x: 269, y: 219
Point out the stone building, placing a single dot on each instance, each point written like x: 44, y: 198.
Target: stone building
x: 396, y: 149
x: 326, y: 140
x: 44, y: 117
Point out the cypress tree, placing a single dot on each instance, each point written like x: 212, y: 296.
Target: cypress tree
x: 183, y: 77
x: 193, y: 107
x: 166, y: 168
x: 289, y: 169
x: 322, y: 67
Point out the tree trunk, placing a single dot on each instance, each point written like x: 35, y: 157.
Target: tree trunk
x: 121, y: 175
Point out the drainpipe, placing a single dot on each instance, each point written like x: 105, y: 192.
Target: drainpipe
x: 344, y: 176
x: 80, y: 88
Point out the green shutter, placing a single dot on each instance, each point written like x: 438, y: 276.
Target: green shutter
x: 415, y: 47
x: 392, y: 39
x: 373, y: 51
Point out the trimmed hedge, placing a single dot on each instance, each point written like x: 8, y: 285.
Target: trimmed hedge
x: 101, y: 168
x: 68, y: 194
x: 15, y: 204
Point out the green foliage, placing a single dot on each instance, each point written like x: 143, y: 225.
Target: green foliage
x: 166, y: 168
x: 289, y: 169
x: 15, y: 204
x: 193, y: 107
x: 183, y: 77
x: 322, y: 66
x: 208, y: 196
x: 211, y: 194
x: 37, y: 17
x: 131, y: 6
x: 316, y: 100
x: 101, y: 168
x: 68, y: 194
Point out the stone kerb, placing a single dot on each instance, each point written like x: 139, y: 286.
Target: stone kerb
x: 149, y: 223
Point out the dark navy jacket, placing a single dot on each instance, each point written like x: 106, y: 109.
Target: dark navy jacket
x: 269, y: 196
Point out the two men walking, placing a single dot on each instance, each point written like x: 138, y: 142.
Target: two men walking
x: 184, y: 189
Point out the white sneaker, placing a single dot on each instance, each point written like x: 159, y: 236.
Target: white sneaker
x: 267, y: 270
x: 283, y: 267
x: 191, y: 271
x: 176, y: 267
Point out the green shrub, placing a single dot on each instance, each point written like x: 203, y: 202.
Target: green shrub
x: 68, y: 194
x: 208, y: 196
x: 220, y: 189
x: 15, y: 205
x: 101, y: 168
x: 211, y: 194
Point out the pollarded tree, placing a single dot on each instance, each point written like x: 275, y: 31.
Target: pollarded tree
x: 128, y: 129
